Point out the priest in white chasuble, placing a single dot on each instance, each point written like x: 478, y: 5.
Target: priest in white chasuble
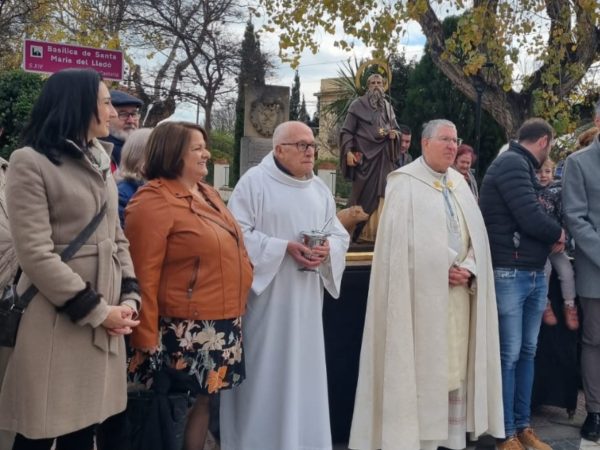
x: 283, y: 402
x: 430, y: 359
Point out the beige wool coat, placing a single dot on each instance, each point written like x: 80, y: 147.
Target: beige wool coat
x: 65, y: 372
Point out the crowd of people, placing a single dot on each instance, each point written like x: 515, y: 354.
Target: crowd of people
x: 228, y: 299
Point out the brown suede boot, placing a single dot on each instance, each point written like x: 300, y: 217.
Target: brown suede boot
x: 531, y: 441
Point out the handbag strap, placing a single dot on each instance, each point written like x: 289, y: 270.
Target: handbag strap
x: 65, y: 255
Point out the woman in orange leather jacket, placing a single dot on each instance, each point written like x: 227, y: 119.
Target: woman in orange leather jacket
x: 193, y: 270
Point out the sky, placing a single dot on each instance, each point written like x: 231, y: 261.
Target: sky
x: 324, y: 64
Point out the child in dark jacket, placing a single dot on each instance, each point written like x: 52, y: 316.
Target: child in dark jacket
x: 550, y: 197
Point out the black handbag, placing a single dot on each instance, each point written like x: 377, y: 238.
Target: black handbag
x: 12, y: 306
x: 156, y: 417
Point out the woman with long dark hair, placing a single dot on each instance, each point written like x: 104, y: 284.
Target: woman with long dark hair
x: 67, y: 371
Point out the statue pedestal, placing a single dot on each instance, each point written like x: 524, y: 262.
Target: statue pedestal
x: 343, y: 321
x: 360, y: 248
x: 253, y: 150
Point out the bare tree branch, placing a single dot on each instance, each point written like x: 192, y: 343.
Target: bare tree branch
x: 192, y: 30
x: 510, y: 108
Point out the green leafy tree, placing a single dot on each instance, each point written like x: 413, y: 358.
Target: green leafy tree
x: 222, y: 144
x: 253, y: 67
x: 562, y: 36
x: 19, y: 18
x: 221, y: 148
x: 295, y: 98
x: 18, y: 92
x: 432, y: 96
x: 400, y: 72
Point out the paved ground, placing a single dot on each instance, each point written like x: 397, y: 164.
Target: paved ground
x: 552, y: 424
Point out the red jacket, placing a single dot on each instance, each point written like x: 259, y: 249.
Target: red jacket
x: 188, y: 254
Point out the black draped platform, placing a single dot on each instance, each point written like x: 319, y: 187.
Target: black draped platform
x: 343, y: 323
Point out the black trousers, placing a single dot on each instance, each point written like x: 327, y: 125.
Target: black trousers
x: 112, y: 434
x: 590, y: 353
x: 78, y: 440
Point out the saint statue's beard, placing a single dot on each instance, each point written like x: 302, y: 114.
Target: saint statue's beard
x: 376, y: 99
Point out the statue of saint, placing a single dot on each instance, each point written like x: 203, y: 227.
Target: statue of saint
x: 369, y: 148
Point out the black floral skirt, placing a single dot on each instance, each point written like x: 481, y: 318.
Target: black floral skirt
x: 209, y: 352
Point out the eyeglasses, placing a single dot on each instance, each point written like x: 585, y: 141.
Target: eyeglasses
x: 447, y: 140
x: 124, y: 115
x: 302, y: 146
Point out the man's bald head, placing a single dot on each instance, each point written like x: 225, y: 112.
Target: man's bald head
x: 286, y: 129
x: 294, y: 148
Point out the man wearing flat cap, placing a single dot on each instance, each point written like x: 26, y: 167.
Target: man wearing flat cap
x: 126, y: 122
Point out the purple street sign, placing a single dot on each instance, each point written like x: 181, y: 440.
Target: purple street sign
x: 49, y: 57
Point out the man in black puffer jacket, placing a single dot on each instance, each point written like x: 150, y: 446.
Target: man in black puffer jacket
x: 521, y: 237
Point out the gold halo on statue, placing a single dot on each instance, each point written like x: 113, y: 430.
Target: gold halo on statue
x: 383, y: 70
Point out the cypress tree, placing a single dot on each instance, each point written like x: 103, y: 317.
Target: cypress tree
x: 303, y: 114
x: 295, y: 98
x: 314, y: 123
x: 253, y: 65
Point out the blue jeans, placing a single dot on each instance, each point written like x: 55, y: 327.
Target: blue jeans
x: 521, y: 299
